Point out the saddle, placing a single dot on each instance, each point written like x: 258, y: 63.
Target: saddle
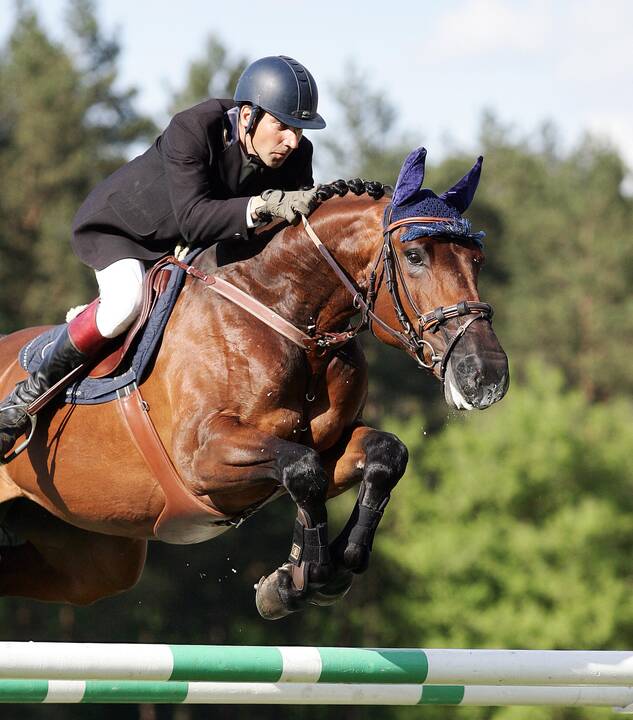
x: 125, y: 359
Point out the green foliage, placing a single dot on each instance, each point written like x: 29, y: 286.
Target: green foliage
x: 562, y: 256
x: 514, y: 528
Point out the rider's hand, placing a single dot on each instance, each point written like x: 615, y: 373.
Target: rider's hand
x: 288, y: 205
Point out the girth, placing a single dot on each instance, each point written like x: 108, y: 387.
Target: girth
x: 184, y: 518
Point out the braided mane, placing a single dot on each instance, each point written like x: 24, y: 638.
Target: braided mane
x: 373, y: 188
x: 228, y: 251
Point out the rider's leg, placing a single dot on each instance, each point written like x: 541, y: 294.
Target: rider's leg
x: 120, y: 292
x: 120, y: 287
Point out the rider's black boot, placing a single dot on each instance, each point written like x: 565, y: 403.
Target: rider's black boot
x: 58, y: 362
x: 77, y: 343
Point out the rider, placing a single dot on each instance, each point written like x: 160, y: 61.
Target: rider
x: 205, y: 179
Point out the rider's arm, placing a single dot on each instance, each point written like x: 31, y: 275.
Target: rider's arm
x: 187, y: 160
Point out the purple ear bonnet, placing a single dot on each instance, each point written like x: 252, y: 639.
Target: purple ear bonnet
x: 411, y: 200
x: 462, y: 193
x: 410, y: 178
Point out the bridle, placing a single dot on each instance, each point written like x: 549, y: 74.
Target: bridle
x: 409, y: 338
x: 320, y: 343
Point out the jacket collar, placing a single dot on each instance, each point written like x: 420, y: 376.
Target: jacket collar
x: 231, y: 130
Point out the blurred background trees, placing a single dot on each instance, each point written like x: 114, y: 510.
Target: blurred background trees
x: 512, y: 528
x: 64, y: 125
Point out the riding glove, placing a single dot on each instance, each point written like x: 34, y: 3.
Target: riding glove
x: 288, y: 205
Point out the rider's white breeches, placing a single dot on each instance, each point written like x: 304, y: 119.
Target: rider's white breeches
x: 120, y: 291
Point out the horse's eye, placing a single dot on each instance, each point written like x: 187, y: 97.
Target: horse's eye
x: 414, y: 257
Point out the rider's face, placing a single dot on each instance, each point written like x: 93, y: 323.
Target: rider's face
x: 272, y: 140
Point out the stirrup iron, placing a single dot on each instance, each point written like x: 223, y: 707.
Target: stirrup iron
x: 25, y: 443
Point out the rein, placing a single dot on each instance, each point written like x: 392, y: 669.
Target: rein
x: 409, y: 338
x: 319, y: 342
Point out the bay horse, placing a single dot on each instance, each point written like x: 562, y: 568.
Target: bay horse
x: 246, y: 412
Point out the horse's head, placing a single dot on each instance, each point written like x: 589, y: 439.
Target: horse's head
x: 426, y: 283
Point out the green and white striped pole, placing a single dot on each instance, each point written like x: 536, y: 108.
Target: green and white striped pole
x: 228, y: 663
x: 148, y: 691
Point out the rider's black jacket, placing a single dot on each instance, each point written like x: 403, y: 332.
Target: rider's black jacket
x: 186, y: 185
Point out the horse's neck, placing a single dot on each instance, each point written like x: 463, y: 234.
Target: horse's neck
x: 291, y: 276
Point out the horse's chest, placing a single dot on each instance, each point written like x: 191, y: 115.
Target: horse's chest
x: 313, y: 419
x: 314, y: 408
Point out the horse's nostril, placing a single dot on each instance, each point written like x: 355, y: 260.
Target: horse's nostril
x: 469, y: 369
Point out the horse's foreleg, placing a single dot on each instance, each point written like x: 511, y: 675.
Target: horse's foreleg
x: 377, y: 460
x: 291, y: 586
x: 383, y: 458
x: 240, y: 455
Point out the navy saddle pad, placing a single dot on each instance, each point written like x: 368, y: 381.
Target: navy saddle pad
x: 92, y: 391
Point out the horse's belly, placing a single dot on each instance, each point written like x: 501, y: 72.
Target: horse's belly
x: 89, y: 475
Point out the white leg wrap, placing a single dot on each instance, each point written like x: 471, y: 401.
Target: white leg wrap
x: 120, y: 290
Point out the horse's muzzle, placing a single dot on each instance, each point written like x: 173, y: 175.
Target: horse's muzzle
x: 476, y: 380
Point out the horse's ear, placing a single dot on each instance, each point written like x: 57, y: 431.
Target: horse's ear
x: 410, y: 178
x: 462, y: 193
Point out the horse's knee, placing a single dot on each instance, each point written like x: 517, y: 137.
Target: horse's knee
x: 386, y: 458
x: 302, y: 474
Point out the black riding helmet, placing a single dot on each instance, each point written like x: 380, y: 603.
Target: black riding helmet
x: 284, y: 88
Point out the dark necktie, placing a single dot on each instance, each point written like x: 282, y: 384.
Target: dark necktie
x: 250, y: 171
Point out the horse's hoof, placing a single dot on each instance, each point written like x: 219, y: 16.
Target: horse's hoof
x: 333, y: 590
x: 268, y: 599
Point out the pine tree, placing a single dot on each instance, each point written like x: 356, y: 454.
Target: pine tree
x: 63, y: 127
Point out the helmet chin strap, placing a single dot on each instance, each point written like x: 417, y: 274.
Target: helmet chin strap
x: 252, y: 120
x: 250, y: 130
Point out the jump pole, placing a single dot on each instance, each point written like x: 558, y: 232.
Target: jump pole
x: 134, y: 673
x: 313, y: 665
x: 242, y: 693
